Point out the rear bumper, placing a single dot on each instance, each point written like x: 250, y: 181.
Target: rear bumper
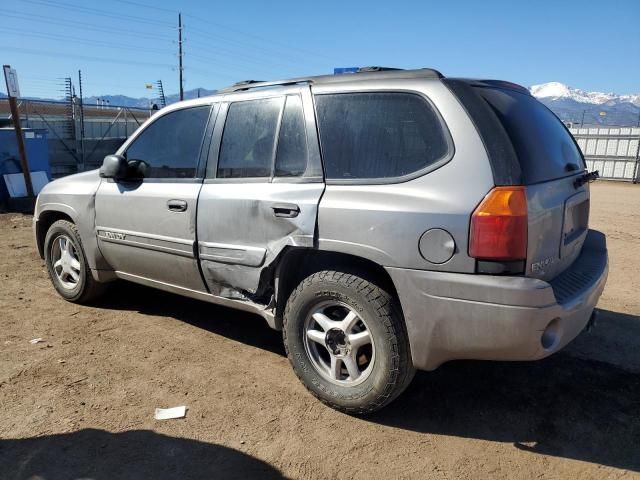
x: 462, y: 316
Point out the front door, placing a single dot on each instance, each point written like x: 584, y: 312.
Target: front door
x: 262, y: 194
x: 146, y: 228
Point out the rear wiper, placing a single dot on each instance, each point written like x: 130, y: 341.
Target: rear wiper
x: 586, y: 178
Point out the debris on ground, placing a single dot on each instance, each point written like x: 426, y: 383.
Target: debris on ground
x: 169, y: 413
x: 33, y: 341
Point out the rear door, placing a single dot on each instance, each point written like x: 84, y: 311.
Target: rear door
x: 550, y: 163
x: 146, y: 228
x: 262, y: 188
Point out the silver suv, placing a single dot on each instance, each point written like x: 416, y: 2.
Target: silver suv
x: 385, y: 221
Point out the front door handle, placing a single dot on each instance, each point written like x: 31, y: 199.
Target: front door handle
x: 177, y: 205
x: 286, y: 210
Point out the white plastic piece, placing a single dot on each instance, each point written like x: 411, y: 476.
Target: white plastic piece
x: 36, y: 340
x: 169, y: 413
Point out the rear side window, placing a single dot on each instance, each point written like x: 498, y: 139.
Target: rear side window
x: 378, y: 135
x: 248, y: 140
x: 170, y: 146
x: 545, y: 149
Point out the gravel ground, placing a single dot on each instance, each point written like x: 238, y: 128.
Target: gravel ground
x: 80, y: 404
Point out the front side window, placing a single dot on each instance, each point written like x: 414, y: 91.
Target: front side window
x: 248, y: 139
x: 170, y: 146
x: 378, y: 135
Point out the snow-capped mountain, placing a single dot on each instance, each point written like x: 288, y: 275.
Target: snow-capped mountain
x: 560, y: 91
x: 580, y: 107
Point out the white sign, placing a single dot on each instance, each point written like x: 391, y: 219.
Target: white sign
x: 11, y: 77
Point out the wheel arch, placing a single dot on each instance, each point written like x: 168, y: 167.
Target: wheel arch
x: 295, y: 264
x: 46, y: 218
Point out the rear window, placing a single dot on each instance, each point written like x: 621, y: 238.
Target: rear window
x: 378, y: 135
x: 545, y: 148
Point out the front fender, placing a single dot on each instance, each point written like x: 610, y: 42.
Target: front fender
x: 74, y: 197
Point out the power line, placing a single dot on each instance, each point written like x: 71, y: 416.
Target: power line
x: 41, y: 53
x: 253, y: 47
x: 243, y: 54
x: 257, y: 37
x: 143, y: 5
x: 209, y: 22
x: 81, y: 25
x: 98, y: 12
x: 66, y: 38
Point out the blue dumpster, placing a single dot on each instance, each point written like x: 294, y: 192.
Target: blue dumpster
x: 35, y: 141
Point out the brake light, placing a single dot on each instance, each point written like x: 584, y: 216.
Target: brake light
x: 499, y: 225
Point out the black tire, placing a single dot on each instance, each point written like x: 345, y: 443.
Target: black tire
x: 86, y: 288
x: 392, y: 369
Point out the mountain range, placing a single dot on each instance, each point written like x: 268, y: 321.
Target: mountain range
x: 572, y: 105
x: 577, y: 106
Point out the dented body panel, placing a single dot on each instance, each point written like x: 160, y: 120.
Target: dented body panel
x: 240, y: 232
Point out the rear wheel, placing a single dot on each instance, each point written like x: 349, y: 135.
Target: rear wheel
x: 346, y: 341
x: 67, y: 264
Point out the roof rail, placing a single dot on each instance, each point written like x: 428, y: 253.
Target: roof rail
x: 248, y: 84
x: 363, y: 73
x: 377, y: 69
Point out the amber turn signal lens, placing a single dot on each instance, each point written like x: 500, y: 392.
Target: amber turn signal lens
x: 499, y: 225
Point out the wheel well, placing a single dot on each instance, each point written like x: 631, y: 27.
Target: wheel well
x: 45, y: 220
x: 298, y: 263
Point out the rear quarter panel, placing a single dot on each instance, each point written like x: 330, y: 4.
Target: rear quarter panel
x: 384, y: 223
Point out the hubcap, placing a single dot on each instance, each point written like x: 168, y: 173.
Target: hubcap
x: 339, y: 343
x: 66, y: 263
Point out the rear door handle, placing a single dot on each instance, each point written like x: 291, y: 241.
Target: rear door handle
x: 286, y: 210
x: 177, y: 205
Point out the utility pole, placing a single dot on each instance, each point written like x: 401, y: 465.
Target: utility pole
x: 582, y: 121
x: 81, y: 120
x: 11, y: 80
x: 180, y: 55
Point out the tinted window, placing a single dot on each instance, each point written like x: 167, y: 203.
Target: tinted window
x: 378, y: 135
x: 542, y: 143
x: 291, y: 159
x: 170, y: 146
x: 248, y: 139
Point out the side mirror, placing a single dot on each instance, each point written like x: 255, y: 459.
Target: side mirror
x: 114, y: 166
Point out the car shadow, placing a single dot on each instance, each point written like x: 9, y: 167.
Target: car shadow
x: 237, y: 325
x: 582, y: 403
x: 102, y: 455
x: 569, y: 405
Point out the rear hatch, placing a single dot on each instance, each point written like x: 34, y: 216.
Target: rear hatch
x: 542, y: 155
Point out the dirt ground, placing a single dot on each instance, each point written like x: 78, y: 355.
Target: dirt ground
x: 80, y: 405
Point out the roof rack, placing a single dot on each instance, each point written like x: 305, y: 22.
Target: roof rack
x: 248, y: 84
x: 377, y: 69
x: 363, y: 73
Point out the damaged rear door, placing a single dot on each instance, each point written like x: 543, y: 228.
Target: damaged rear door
x: 262, y: 189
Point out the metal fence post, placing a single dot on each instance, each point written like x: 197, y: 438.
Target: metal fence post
x: 636, y: 170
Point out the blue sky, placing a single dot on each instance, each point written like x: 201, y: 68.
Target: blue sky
x: 122, y: 44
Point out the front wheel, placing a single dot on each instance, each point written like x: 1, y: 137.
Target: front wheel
x: 346, y: 340
x: 67, y: 264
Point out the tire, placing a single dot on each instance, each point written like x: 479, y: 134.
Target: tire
x: 81, y: 288
x: 384, y: 367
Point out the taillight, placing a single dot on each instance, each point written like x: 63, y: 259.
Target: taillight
x: 499, y: 225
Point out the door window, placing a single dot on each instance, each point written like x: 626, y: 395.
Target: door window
x: 170, y: 146
x: 292, y: 155
x: 248, y: 140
